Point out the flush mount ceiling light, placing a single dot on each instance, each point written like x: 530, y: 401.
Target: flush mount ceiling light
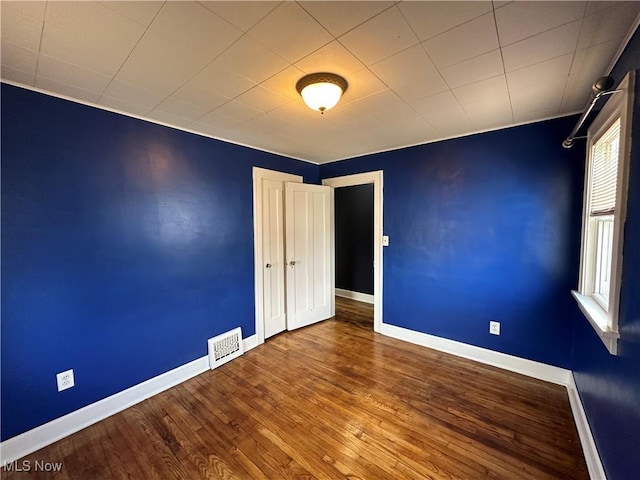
x: 321, y: 91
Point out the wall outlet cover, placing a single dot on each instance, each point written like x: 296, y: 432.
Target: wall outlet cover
x: 65, y: 380
x: 385, y: 240
x: 494, y: 328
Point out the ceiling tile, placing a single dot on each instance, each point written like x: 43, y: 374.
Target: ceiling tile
x: 66, y: 90
x: 576, y: 93
x: 107, y: 36
x: 361, y: 84
x: 212, y: 131
x: 541, y: 16
x: 230, y: 114
x: 301, y: 36
x: 19, y: 76
x: 141, y: 12
x: 399, y: 117
x: 610, y: 24
x: 161, y: 65
x: 262, y: 99
x: 340, y: 17
x: 22, y: 23
x: 284, y: 82
x: 168, y: 118
x: 213, y: 86
x: 540, y: 72
x: 263, y: 124
x: 495, y: 87
x: 124, y: 106
x: 380, y: 37
x: 331, y: 58
x: 478, y: 68
x: 597, y: 6
x: 539, y: 97
x: 184, y: 110
x: 443, y: 112
x: 250, y: 59
x: 242, y: 15
x: 461, y: 43
x: 486, y: 113
x: 70, y: 74
x: 547, y: 45
x: 190, y: 65
x: 429, y: 19
x: 194, y: 29
x: 141, y: 97
x: 592, y: 62
x: 385, y: 107
x: 296, y: 112
x: 424, y: 80
x: 19, y: 58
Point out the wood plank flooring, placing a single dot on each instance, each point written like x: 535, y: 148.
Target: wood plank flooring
x: 334, y: 401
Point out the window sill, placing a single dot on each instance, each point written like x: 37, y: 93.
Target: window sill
x: 598, y: 319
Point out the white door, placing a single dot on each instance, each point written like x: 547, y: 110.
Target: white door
x: 309, y: 253
x: 275, y: 320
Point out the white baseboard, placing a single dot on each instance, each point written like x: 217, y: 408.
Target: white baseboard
x: 360, y: 297
x: 250, y: 342
x: 523, y: 366
x: 39, y: 437
x: 591, y: 456
x: 530, y: 368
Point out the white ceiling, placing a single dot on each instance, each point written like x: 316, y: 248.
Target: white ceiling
x: 417, y: 71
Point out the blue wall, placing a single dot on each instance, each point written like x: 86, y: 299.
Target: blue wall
x: 483, y: 228
x: 125, y: 245
x: 610, y: 385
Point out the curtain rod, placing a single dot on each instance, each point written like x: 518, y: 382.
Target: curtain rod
x: 599, y: 89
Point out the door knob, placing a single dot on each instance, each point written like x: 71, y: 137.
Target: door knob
x: 268, y: 265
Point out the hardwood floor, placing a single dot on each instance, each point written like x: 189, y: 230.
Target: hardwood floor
x: 334, y: 401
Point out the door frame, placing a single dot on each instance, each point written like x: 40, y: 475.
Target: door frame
x: 260, y: 174
x: 376, y: 178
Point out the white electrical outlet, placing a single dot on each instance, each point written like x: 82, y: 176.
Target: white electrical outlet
x: 65, y: 380
x: 494, y: 328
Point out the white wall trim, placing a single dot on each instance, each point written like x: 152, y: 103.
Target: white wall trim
x: 358, y: 296
x: 39, y: 437
x: 523, y: 366
x: 378, y: 187
x: 591, y: 456
x: 250, y: 342
x: 151, y: 120
x: 538, y: 370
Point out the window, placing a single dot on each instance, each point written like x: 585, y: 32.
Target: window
x: 604, y: 212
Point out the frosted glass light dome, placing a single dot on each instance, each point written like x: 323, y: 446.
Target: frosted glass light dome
x: 321, y: 91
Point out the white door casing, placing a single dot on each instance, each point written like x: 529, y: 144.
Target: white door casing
x: 309, y: 253
x: 260, y: 177
x: 377, y: 179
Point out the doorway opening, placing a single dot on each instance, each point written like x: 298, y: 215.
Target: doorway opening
x: 376, y: 179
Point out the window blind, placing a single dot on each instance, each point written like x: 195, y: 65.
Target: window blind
x: 605, y: 171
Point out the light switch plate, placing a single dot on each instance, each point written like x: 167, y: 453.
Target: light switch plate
x: 385, y: 240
